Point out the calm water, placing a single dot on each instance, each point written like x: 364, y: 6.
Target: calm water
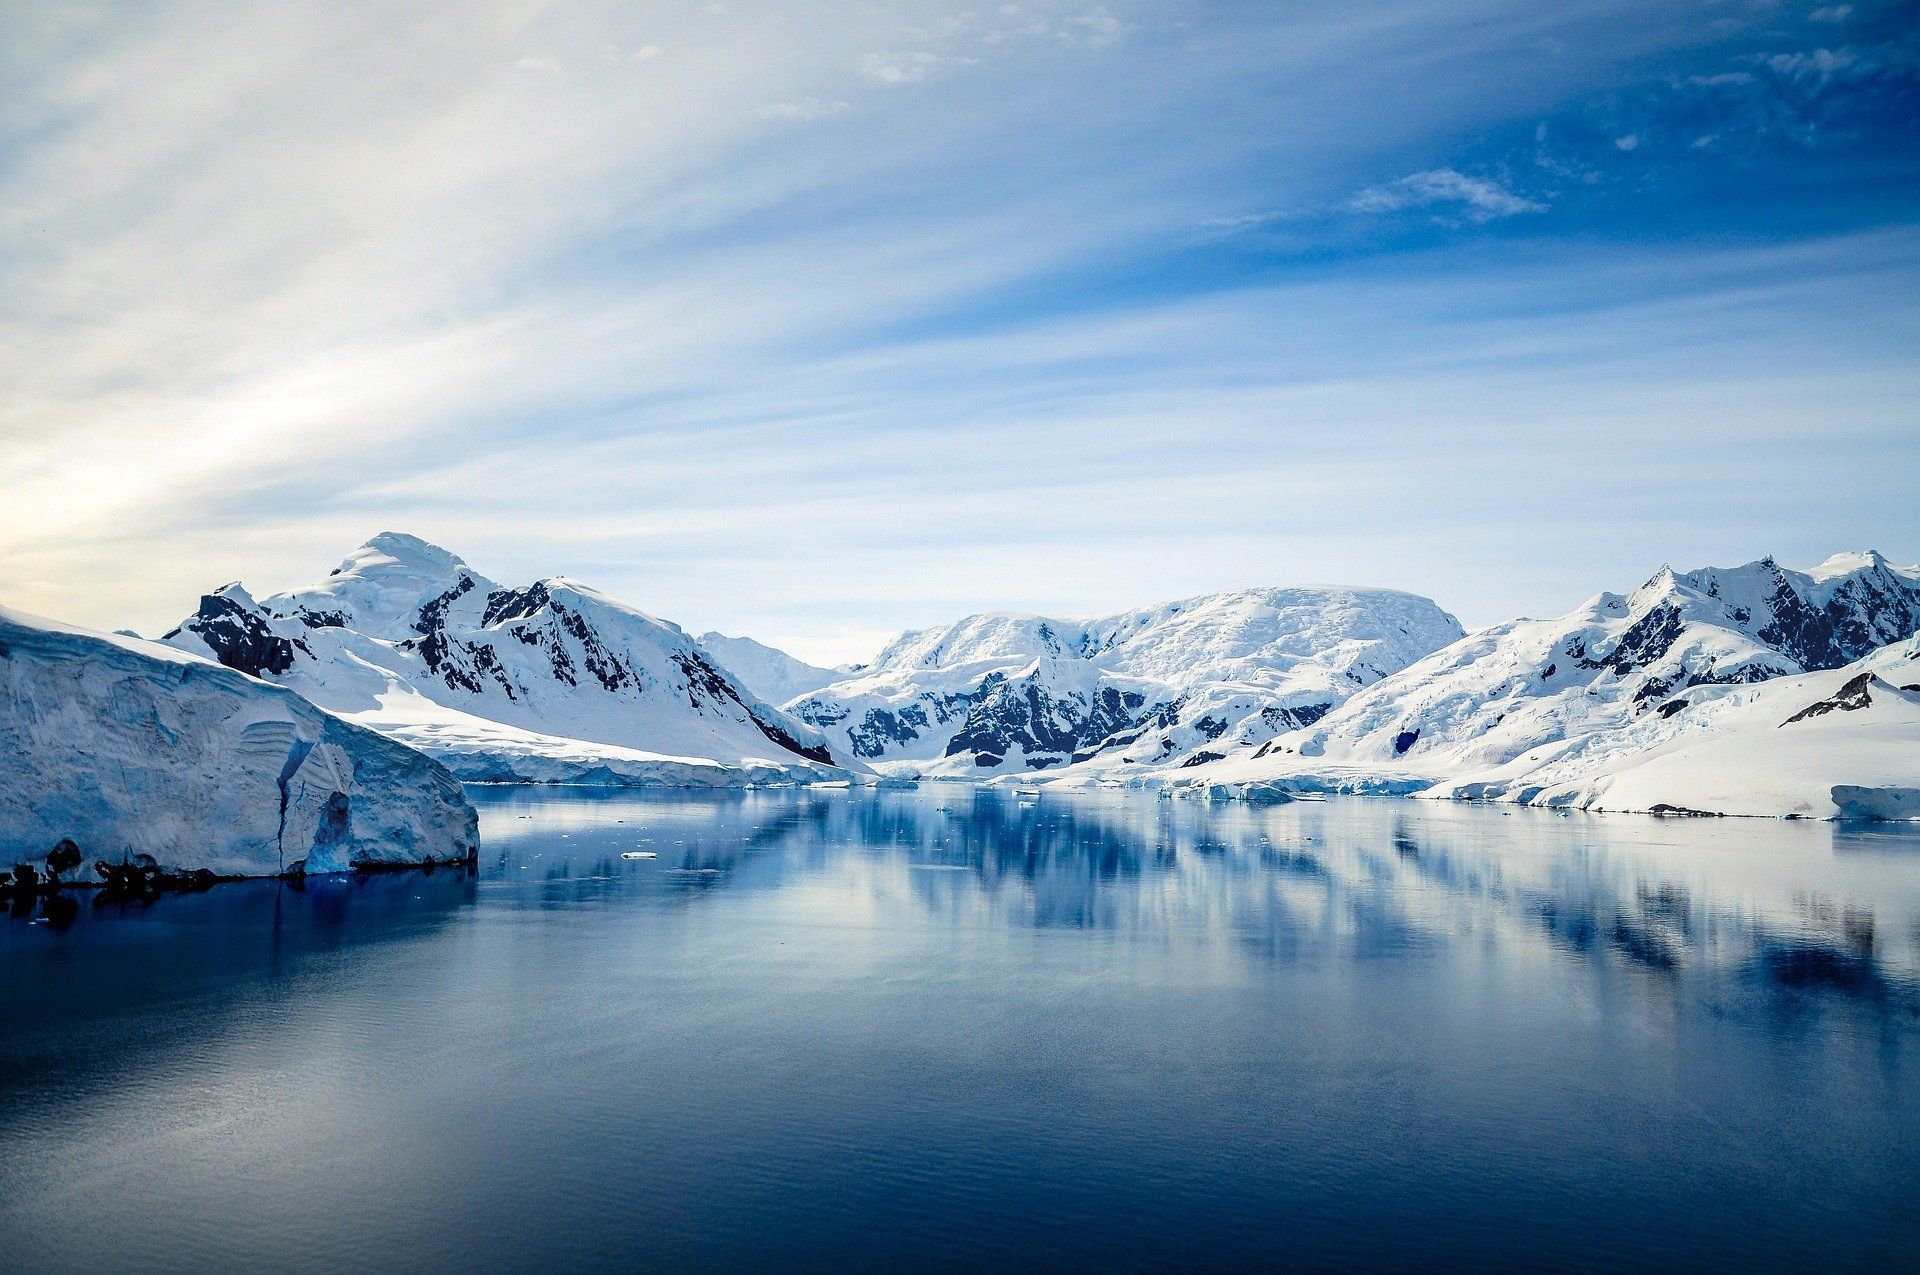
x: 949, y: 1029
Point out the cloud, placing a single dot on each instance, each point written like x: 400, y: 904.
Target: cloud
x: 1832, y: 13
x: 1096, y: 27
x: 808, y: 108
x: 1239, y: 223
x: 617, y: 53
x: 908, y: 67
x: 1478, y: 199
x: 1816, y: 66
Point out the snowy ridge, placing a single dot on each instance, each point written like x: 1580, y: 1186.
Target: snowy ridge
x: 1508, y: 709
x: 1006, y: 693
x: 767, y: 671
x: 550, y: 682
x: 131, y: 747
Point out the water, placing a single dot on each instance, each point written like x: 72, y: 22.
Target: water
x: 947, y: 1029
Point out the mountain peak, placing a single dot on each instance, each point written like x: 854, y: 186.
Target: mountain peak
x: 1661, y: 582
x: 237, y: 592
x: 1841, y: 564
x: 398, y: 549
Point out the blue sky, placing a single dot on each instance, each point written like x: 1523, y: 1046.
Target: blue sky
x: 815, y: 321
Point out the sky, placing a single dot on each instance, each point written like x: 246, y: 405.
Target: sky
x: 815, y: 321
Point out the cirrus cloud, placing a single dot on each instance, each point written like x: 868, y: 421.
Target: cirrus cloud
x: 1477, y: 199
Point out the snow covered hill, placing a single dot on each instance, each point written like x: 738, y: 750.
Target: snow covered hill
x: 130, y: 747
x: 1540, y: 689
x: 551, y: 682
x: 1837, y: 744
x: 1181, y: 683
x: 767, y: 671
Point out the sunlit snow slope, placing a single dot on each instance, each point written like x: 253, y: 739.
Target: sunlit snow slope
x: 551, y: 682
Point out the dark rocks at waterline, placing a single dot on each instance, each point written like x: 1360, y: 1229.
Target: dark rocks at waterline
x: 63, y: 858
x: 140, y: 876
x: 428, y: 864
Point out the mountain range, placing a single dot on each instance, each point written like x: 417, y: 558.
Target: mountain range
x: 1327, y: 688
x: 1164, y: 686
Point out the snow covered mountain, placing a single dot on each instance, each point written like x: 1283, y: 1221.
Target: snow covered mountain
x: 550, y: 682
x: 1181, y: 683
x: 130, y: 747
x: 1537, y: 689
x: 1837, y: 744
x: 767, y: 671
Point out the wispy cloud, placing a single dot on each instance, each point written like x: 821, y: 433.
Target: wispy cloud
x: 1477, y: 199
x: 807, y: 108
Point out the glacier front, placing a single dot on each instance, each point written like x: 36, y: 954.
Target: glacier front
x: 130, y: 747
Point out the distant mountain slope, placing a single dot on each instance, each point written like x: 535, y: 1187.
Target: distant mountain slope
x: 1538, y: 688
x: 1164, y: 685
x: 130, y: 747
x: 1844, y: 743
x: 767, y: 671
x: 549, y: 682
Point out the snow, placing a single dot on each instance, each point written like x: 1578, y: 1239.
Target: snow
x: 131, y: 747
x: 1010, y: 693
x: 767, y: 671
x: 551, y: 682
x: 1511, y: 710
x: 1838, y: 744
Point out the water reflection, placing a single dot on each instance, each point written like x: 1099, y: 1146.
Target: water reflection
x: 1794, y: 906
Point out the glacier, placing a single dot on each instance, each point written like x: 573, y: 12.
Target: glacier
x: 131, y: 747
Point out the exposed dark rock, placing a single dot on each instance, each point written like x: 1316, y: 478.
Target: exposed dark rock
x: 514, y: 604
x: 1644, y: 642
x: 240, y: 638
x: 703, y: 679
x: 1022, y: 715
x: 433, y: 614
x: 64, y: 857
x: 1210, y: 726
x: 1850, y: 698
